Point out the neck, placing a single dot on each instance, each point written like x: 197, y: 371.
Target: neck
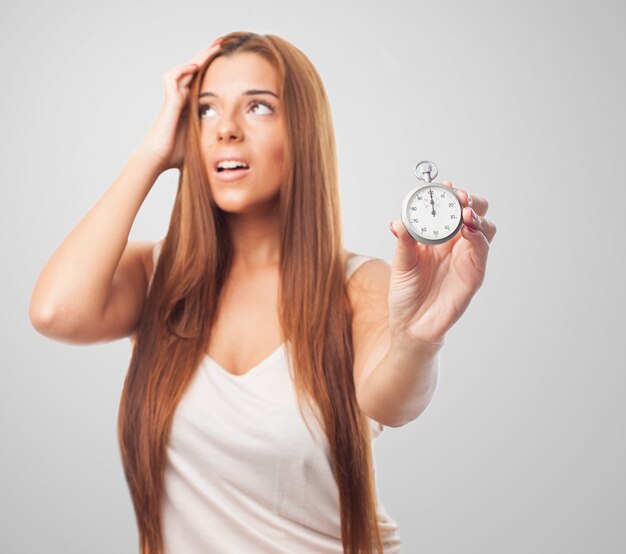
x: 255, y: 239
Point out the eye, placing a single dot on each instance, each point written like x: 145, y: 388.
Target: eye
x: 266, y: 108
x: 201, y: 109
x: 266, y: 105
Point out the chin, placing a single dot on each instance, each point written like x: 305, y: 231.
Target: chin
x: 246, y: 206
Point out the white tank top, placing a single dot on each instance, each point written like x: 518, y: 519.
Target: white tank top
x: 243, y: 473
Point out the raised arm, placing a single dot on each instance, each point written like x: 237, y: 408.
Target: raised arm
x: 93, y: 287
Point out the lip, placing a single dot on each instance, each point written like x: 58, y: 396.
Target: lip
x: 228, y: 176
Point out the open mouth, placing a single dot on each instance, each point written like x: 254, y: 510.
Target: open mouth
x: 228, y: 171
x: 228, y: 166
x: 231, y: 170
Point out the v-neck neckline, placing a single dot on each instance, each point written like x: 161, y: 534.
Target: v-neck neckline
x: 252, y: 371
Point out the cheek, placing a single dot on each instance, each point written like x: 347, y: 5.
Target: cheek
x: 204, y: 149
x: 278, y: 151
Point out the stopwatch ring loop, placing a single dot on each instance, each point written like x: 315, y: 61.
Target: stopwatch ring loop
x: 432, y: 176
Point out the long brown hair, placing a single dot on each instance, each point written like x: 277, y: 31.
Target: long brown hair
x: 314, y: 308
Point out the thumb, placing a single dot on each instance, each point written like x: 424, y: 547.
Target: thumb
x: 406, y: 255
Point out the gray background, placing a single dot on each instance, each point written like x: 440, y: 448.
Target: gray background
x: 521, y: 449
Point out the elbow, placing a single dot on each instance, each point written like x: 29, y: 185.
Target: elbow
x: 41, y: 310
x: 48, y: 320
x: 59, y: 326
x: 41, y: 316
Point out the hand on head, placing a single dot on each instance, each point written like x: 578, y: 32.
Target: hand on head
x: 165, y: 141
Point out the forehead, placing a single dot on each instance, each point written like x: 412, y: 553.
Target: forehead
x: 239, y: 72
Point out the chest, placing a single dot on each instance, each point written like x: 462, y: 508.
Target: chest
x: 243, y: 438
x: 247, y: 327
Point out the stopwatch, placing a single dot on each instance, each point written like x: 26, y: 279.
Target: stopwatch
x: 431, y: 213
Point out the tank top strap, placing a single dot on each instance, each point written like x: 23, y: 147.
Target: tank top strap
x: 156, y: 251
x: 355, y: 261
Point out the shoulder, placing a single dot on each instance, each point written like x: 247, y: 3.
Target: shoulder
x: 368, y: 277
x: 368, y: 290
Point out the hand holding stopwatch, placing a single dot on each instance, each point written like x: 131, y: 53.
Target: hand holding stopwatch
x: 431, y: 214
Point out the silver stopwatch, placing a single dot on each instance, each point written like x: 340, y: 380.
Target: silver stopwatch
x: 431, y: 213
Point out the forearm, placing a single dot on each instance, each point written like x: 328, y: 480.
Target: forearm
x: 401, y: 386
x: 74, y: 283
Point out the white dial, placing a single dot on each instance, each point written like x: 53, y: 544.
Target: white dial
x: 432, y: 213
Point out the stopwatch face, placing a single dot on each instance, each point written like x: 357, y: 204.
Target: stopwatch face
x: 432, y: 213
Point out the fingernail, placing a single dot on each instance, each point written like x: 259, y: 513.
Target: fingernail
x: 474, y: 216
x: 470, y: 229
x: 392, y: 230
x: 469, y: 199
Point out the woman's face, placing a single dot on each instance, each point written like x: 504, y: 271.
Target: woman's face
x: 238, y: 122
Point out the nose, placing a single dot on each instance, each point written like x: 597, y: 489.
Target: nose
x: 228, y: 129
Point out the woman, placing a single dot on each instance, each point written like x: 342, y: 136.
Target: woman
x: 263, y: 362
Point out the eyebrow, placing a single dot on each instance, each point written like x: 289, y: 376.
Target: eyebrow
x: 250, y: 92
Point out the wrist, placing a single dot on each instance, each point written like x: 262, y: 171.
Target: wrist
x: 149, y: 159
x: 411, y: 346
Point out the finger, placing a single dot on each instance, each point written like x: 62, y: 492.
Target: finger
x: 487, y: 227
x: 476, y: 201
x: 215, y: 44
x: 471, y: 218
x: 173, y: 77
x: 464, y: 197
x: 476, y: 230
x: 406, y: 255
x: 480, y: 245
x: 185, y: 78
x: 479, y: 224
x: 202, y: 56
